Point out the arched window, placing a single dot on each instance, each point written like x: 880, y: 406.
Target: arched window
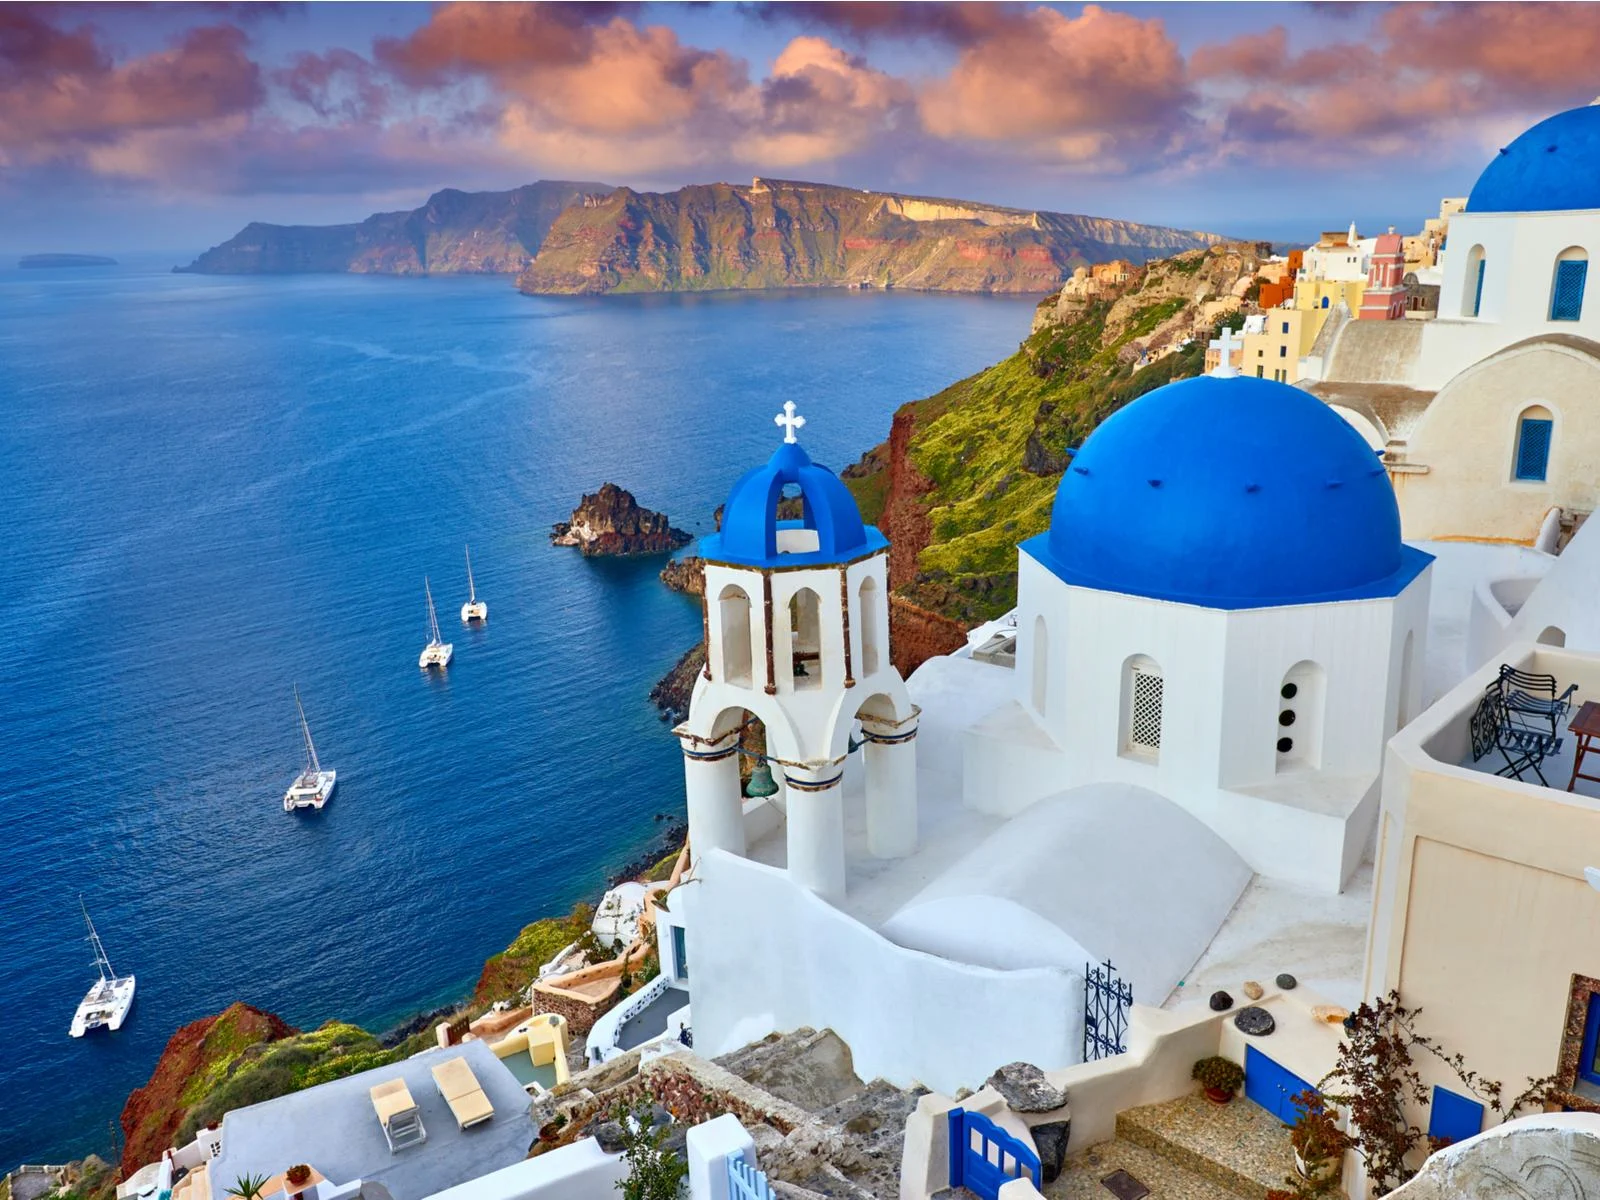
x: 1299, y: 728
x: 733, y: 624
x: 1142, y: 688
x: 791, y: 507
x: 805, y: 628
x: 1472, y: 297
x: 1041, y: 664
x: 1553, y: 635
x: 1325, y: 302
x: 1566, y: 287
x: 867, y: 604
x: 1535, y: 428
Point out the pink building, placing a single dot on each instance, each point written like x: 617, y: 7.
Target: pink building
x: 1385, y: 296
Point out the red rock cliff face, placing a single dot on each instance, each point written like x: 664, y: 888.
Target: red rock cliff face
x: 153, y: 1113
x: 915, y: 634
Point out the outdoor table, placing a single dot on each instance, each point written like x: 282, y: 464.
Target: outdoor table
x: 1585, y: 728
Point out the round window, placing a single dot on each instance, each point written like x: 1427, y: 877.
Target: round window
x: 1289, y: 691
x: 1286, y: 717
x: 1285, y: 745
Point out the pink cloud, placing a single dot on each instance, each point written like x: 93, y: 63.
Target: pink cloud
x: 1074, y: 88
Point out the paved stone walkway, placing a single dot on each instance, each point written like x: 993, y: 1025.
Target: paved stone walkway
x: 1081, y: 1175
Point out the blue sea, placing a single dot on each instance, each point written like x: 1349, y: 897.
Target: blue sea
x: 215, y: 489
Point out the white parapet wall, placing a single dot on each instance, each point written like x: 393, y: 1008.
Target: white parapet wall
x: 602, y: 1043
x: 581, y: 1171
x: 768, y: 955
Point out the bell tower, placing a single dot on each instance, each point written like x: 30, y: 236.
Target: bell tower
x: 796, y: 618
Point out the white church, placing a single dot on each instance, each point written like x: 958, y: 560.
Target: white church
x: 1173, y: 761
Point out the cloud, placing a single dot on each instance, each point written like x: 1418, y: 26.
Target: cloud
x: 470, y: 36
x: 60, y: 90
x: 1102, y: 85
x: 338, y: 84
x: 958, y: 23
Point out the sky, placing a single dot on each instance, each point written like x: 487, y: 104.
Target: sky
x: 168, y: 127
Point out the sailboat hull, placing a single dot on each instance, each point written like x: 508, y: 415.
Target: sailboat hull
x: 474, y: 610
x: 436, y: 654
x: 310, y: 791
x: 105, y: 1007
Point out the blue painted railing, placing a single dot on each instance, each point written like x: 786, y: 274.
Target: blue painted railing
x: 745, y: 1182
x: 983, y: 1156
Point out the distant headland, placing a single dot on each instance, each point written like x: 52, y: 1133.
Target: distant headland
x: 561, y: 237
x: 34, y: 261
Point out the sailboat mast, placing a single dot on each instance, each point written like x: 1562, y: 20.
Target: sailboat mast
x: 100, y: 960
x: 433, y: 619
x: 312, y: 765
x: 472, y: 589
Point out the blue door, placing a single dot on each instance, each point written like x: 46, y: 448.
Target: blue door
x: 984, y: 1157
x: 1272, y: 1087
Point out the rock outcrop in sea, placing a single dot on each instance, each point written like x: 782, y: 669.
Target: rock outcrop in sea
x: 778, y: 233
x: 611, y: 522
x: 686, y: 575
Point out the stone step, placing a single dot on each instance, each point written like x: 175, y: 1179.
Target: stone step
x: 1083, y: 1173
x: 1239, y: 1146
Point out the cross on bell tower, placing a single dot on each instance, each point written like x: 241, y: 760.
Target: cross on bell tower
x: 790, y: 421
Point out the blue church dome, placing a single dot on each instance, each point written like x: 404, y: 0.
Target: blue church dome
x: 1228, y: 493
x: 751, y: 530
x: 1553, y: 166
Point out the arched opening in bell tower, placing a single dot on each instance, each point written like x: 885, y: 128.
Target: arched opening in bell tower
x: 805, y: 631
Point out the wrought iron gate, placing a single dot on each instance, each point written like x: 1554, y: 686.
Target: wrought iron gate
x: 1107, y: 997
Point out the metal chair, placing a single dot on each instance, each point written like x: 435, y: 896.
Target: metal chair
x: 1525, y: 692
x: 1524, y: 735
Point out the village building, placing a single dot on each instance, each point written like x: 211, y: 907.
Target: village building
x: 1483, y: 413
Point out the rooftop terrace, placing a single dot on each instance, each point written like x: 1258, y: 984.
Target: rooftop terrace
x: 334, y: 1129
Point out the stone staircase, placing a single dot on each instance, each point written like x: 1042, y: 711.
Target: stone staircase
x: 1185, y: 1149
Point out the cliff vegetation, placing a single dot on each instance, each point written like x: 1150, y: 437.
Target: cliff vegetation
x: 971, y: 471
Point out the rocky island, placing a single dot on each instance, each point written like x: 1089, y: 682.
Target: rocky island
x: 40, y: 261
x: 610, y: 522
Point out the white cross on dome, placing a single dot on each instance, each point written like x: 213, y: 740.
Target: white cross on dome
x: 1225, y: 346
x: 789, y: 420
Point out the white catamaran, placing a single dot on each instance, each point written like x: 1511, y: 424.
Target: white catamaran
x: 438, y: 651
x: 313, y: 787
x: 107, y: 1004
x: 474, y: 609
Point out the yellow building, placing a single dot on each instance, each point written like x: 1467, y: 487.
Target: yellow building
x: 1325, y: 294
x: 1484, y: 916
x: 1284, y: 337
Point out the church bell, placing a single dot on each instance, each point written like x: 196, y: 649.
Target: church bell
x: 761, y: 783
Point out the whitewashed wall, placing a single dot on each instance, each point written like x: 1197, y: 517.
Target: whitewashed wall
x: 1521, y: 250
x: 767, y: 955
x: 1221, y: 674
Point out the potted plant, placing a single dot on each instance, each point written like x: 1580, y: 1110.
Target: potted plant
x: 297, y: 1177
x: 1319, y: 1144
x: 1219, y: 1077
x: 248, y: 1187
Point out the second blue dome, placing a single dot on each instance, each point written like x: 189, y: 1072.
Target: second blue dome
x: 1228, y: 493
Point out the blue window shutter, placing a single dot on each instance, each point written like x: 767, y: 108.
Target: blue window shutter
x: 1477, y: 295
x: 1533, y: 449
x: 1591, y: 1043
x: 1566, y: 299
x: 1454, y: 1117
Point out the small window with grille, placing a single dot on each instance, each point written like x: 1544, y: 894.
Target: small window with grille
x: 1144, y: 709
x: 1566, y: 297
x: 1533, y: 448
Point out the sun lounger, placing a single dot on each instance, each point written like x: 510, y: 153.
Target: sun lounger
x: 462, y: 1092
x: 398, y: 1114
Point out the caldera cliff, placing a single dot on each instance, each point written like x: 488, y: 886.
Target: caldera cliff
x: 778, y: 233
x: 482, y: 233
